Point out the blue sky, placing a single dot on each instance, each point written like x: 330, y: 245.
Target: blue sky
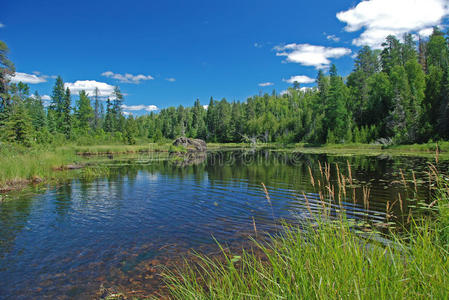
x: 177, y: 51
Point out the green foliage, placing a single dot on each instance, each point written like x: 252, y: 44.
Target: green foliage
x: 18, y: 127
x: 399, y: 94
x: 327, y: 260
x: 177, y: 149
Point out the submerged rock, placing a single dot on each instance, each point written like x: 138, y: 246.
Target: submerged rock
x: 191, y: 145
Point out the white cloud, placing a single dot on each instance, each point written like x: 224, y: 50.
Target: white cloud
x: 2, y: 25
x: 205, y: 106
x: 43, y: 97
x: 140, y: 107
x: 333, y: 37
x: 27, y: 78
x: 127, y: 113
x: 171, y: 79
x: 426, y: 32
x: 39, y: 74
x: 310, y: 55
x: 258, y: 45
x: 303, y: 89
x: 285, y: 92
x: 306, y: 88
x: 266, y: 84
x: 105, y: 90
x: 380, y: 18
x: 127, y: 78
x: 299, y: 79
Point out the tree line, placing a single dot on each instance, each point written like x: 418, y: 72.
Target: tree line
x: 397, y: 94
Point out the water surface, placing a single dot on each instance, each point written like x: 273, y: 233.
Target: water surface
x: 115, y: 231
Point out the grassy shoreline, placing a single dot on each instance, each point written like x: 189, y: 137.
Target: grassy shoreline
x: 22, y: 166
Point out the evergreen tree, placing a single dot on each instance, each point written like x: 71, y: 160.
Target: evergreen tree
x: 337, y: 115
x: 66, y: 118
x: 6, y: 70
x: 97, y: 110
x: 108, y: 125
x: 18, y: 127
x: 57, y: 106
x: 35, y: 107
x: 84, y: 113
x: 118, y: 118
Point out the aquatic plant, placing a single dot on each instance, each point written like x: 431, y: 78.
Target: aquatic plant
x: 327, y: 258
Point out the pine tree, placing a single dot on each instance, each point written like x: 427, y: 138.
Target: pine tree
x: 108, y: 125
x: 118, y: 118
x: 6, y: 70
x: 66, y: 118
x: 18, y: 127
x: 337, y: 115
x: 35, y: 107
x: 84, y: 113
x: 97, y: 110
x: 57, y: 105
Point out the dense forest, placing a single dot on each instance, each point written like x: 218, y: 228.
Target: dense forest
x: 399, y: 94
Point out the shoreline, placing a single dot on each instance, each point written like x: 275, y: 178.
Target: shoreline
x: 72, y: 158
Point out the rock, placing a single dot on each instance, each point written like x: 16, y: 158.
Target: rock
x: 191, y: 145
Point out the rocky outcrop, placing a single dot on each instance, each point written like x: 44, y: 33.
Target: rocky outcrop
x: 191, y: 145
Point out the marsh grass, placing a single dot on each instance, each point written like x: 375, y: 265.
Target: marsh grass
x: 20, y: 166
x: 24, y: 164
x: 117, y: 149
x: 328, y: 258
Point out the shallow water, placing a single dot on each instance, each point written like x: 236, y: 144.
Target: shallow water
x: 116, y: 231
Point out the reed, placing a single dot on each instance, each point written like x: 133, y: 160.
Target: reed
x: 23, y: 165
x: 328, y: 259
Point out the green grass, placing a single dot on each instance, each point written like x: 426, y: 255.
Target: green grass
x: 21, y: 166
x: 24, y: 164
x: 328, y: 260
x: 177, y: 149
x: 428, y: 147
x: 117, y: 148
x: 421, y: 150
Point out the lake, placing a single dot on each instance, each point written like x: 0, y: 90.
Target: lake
x: 116, y: 231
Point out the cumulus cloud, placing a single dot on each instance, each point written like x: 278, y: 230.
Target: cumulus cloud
x: 380, y: 18
x: 127, y: 78
x: 2, y: 25
x: 105, y: 90
x: 310, y: 55
x: 171, y: 79
x: 299, y: 79
x: 27, y: 78
x: 43, y: 97
x: 140, y: 107
x: 426, y: 32
x: 266, y: 84
x: 333, y: 37
x: 37, y: 73
x: 303, y: 89
x: 205, y: 106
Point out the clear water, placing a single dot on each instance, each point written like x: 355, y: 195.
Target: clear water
x: 67, y: 241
